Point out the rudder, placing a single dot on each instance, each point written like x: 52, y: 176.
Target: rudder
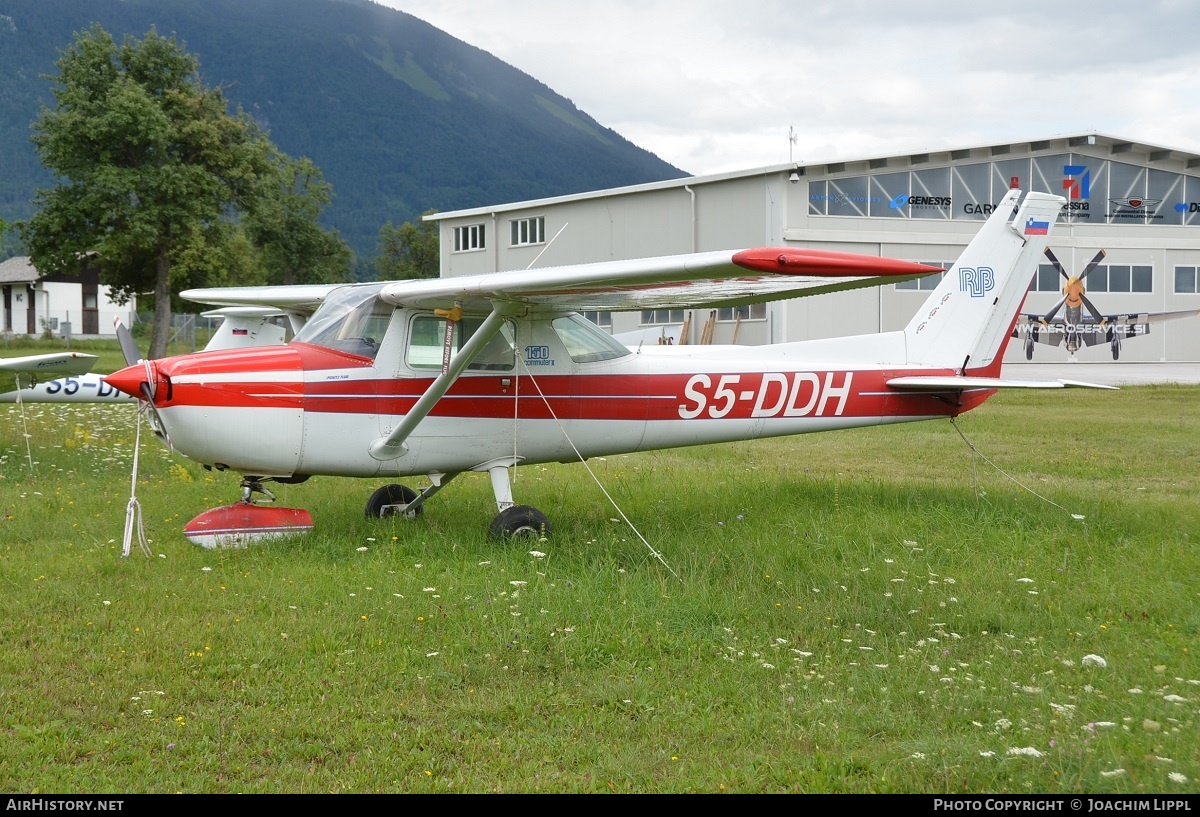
x: 966, y: 322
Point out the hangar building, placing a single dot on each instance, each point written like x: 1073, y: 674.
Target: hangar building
x: 1132, y: 215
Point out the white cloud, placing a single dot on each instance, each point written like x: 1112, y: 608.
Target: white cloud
x: 713, y: 85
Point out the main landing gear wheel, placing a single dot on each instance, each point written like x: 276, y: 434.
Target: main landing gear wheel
x: 379, y: 505
x: 519, y: 522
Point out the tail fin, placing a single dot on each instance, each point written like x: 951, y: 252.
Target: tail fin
x: 966, y: 322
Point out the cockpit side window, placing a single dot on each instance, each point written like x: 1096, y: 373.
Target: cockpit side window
x: 352, y: 319
x: 429, y: 334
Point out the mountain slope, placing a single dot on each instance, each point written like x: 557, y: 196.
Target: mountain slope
x: 400, y: 116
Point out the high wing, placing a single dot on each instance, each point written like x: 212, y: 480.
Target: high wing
x: 55, y: 364
x: 1090, y: 331
x: 719, y: 278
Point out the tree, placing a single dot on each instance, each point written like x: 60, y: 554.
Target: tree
x: 152, y: 170
x: 295, y: 248
x: 411, y: 250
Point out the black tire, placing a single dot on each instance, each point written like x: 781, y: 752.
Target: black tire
x: 519, y: 522
x: 377, y: 505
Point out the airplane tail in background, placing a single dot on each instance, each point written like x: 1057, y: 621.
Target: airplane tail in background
x: 966, y: 323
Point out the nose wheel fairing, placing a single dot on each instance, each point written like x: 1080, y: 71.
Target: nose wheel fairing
x: 247, y: 521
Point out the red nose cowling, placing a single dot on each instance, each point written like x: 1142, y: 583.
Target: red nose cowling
x: 130, y: 379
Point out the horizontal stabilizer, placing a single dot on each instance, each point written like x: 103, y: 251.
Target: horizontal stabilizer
x: 963, y: 383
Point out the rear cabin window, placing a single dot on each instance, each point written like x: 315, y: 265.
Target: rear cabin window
x: 585, y: 342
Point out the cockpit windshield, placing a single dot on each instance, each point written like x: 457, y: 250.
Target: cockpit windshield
x: 352, y: 319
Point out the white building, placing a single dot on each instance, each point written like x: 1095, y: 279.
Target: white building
x: 78, y: 305
x: 1138, y: 203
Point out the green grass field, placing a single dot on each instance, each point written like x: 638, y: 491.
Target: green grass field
x: 877, y: 610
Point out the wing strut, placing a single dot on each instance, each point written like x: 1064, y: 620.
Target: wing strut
x: 392, y: 446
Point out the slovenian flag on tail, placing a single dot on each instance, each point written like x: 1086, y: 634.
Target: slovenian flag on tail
x: 1033, y: 227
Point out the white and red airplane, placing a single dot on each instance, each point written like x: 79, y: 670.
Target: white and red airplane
x: 435, y: 378
x: 29, y: 370
x: 240, y: 327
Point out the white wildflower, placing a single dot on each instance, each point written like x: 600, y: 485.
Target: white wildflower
x: 518, y: 583
x: 1177, y: 777
x: 1027, y: 751
x: 987, y: 753
x: 1113, y: 773
x: 1093, y: 661
x: 537, y: 554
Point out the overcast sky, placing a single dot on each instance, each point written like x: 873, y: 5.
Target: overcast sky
x: 714, y: 85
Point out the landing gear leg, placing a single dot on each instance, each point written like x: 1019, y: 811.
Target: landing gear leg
x: 514, y: 521
x: 253, y: 485
x: 401, y: 500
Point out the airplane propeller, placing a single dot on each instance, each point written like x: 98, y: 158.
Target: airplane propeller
x: 133, y: 357
x: 1095, y: 262
x: 128, y: 345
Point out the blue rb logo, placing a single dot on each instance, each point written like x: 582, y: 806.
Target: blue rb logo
x: 978, y: 282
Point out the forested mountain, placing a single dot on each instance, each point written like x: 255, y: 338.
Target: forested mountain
x: 400, y: 117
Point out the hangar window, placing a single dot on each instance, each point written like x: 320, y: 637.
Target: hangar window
x: 651, y: 317
x: 929, y: 282
x: 1048, y: 279
x: 1120, y: 278
x: 1186, y: 279
x: 750, y: 312
x: 601, y: 319
x: 527, y: 231
x: 469, y: 237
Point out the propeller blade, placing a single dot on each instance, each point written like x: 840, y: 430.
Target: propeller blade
x: 1095, y: 312
x: 1050, y: 315
x: 128, y: 345
x: 1057, y: 265
x: 1092, y: 265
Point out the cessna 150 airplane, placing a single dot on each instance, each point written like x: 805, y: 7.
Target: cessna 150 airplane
x: 434, y: 378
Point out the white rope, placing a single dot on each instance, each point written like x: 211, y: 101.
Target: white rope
x: 977, y: 453
x: 516, y: 344
x: 596, y: 479
x: 24, y: 426
x: 133, y: 511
